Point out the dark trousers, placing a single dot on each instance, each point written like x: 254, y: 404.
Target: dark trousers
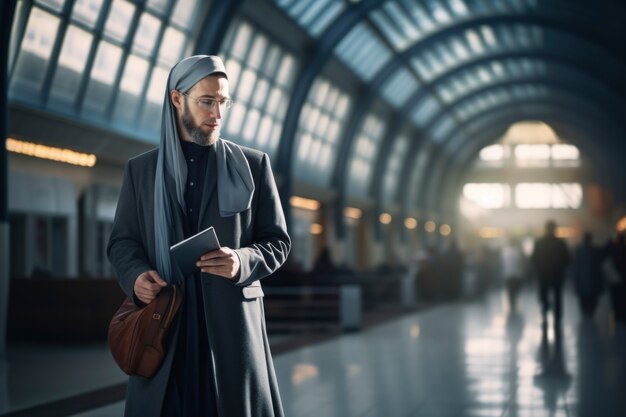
x: 545, y: 290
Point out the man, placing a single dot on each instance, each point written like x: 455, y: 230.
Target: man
x: 218, y: 361
x: 587, y: 271
x: 513, y: 265
x: 550, y: 258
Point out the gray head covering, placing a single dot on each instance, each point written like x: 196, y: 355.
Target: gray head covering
x: 234, y: 179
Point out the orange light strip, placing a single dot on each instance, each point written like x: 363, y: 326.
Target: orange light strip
x: 67, y: 156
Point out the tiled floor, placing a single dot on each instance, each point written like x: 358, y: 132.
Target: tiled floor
x: 462, y: 359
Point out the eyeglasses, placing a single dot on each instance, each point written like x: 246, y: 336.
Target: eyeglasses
x: 208, y: 104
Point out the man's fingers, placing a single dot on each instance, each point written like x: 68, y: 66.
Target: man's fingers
x: 154, y: 277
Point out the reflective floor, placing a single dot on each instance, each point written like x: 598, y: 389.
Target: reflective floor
x: 473, y: 358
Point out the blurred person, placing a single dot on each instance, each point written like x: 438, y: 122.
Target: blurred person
x: 550, y: 257
x: 587, y: 272
x: 453, y: 267
x: 513, y: 265
x: 614, y: 267
x: 218, y: 360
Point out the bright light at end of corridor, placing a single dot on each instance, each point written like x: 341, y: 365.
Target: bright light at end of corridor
x: 430, y: 226
x: 49, y: 152
x: 385, y: 218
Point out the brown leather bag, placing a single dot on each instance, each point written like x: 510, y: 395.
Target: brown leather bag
x: 137, y: 335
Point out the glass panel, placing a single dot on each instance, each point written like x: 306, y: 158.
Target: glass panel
x: 364, y: 149
x: 134, y: 75
x: 87, y: 11
x: 119, y: 19
x: 131, y: 86
x: 487, y: 195
x: 14, y: 29
x: 566, y: 196
x: 532, y: 155
x: 157, y: 5
x: 533, y: 195
x: 146, y: 34
x: 106, y: 63
x: 156, y: 88
x: 72, y: 60
x: 564, y: 151
x: 492, y: 153
x: 257, y: 52
x: 425, y: 110
x: 394, y: 166
x: 54, y: 4
x: 313, y: 15
x: 286, y: 71
x: 260, y: 77
x: 240, y: 45
x: 318, y: 133
x: 75, y: 49
x: 103, y: 75
x: 400, y: 87
x: 184, y: 13
x: 172, y: 47
x: 363, y: 51
x: 34, y: 54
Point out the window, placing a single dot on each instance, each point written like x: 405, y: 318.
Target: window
x: 261, y: 75
x: 488, y: 195
x: 321, y: 123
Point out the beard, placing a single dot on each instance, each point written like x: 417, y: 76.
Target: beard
x: 196, y: 134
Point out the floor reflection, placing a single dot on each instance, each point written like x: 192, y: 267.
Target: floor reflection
x: 553, y: 378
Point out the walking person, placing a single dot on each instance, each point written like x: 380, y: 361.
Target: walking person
x: 218, y: 361
x: 513, y: 265
x: 550, y: 257
x: 614, y: 267
x: 587, y: 272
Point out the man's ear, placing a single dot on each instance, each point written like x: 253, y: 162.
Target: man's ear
x: 177, y: 99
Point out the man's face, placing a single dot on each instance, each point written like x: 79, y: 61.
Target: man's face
x: 199, y: 118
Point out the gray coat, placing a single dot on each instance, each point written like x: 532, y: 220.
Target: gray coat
x: 244, y: 373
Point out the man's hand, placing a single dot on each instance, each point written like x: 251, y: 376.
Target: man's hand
x: 148, y: 285
x: 223, y: 262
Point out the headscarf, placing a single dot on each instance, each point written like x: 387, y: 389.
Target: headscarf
x: 234, y: 179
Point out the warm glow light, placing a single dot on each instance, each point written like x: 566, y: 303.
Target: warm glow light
x: 410, y: 223
x: 49, y: 152
x: 430, y: 226
x: 304, y: 203
x: 621, y: 225
x: 316, y: 229
x: 415, y: 331
x: 565, y: 232
x: 490, y: 232
x: 302, y: 372
x: 352, y: 212
x: 445, y: 229
x: 385, y: 218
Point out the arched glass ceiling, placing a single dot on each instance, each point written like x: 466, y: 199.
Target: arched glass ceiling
x: 261, y: 74
x: 394, y: 166
x: 321, y: 124
x: 105, y: 62
x: 476, y: 78
x: 363, y: 154
x: 313, y: 15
